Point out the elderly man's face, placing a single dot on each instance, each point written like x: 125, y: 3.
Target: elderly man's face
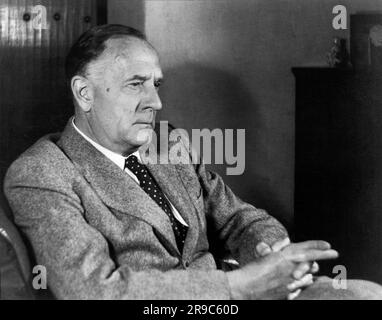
x: 126, y: 80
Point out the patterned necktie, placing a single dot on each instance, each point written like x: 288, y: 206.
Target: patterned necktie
x: 149, y: 185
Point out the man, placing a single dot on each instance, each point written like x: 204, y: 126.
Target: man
x: 108, y: 226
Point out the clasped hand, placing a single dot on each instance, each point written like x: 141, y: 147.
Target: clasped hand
x: 281, y: 270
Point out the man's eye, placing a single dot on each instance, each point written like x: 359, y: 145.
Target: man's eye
x: 135, y: 84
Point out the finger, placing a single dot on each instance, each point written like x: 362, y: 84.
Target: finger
x: 313, y: 244
x: 279, y: 245
x: 312, y: 255
x: 305, y: 281
x: 315, y: 267
x: 263, y: 249
x: 293, y: 295
x: 302, y: 269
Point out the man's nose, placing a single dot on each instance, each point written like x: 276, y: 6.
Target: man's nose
x: 153, y: 100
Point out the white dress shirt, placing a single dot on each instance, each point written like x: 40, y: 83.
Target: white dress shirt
x: 119, y: 160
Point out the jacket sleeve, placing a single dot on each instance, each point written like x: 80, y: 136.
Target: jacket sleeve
x: 77, y: 257
x: 238, y: 225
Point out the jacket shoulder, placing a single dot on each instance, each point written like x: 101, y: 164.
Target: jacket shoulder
x: 43, y: 164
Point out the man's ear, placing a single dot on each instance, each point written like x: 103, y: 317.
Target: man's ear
x: 83, y: 92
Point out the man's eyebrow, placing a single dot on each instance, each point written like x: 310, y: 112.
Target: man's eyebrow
x: 142, y: 78
x: 137, y: 77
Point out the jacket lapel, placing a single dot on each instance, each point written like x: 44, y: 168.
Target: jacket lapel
x: 116, y: 188
x: 169, y: 181
x: 168, y: 178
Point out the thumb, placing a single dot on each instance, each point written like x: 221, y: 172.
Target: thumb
x: 263, y: 249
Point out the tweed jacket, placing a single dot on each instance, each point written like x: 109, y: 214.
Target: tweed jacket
x: 100, y: 236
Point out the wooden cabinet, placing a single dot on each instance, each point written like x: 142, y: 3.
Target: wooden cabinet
x: 338, y: 168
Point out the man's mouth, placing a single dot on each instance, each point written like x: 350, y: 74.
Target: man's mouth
x: 144, y: 123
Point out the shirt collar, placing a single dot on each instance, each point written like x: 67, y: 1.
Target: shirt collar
x: 117, y: 158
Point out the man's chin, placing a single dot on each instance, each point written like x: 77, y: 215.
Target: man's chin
x: 144, y: 136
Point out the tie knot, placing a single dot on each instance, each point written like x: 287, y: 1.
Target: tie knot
x: 132, y: 159
x: 132, y: 163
